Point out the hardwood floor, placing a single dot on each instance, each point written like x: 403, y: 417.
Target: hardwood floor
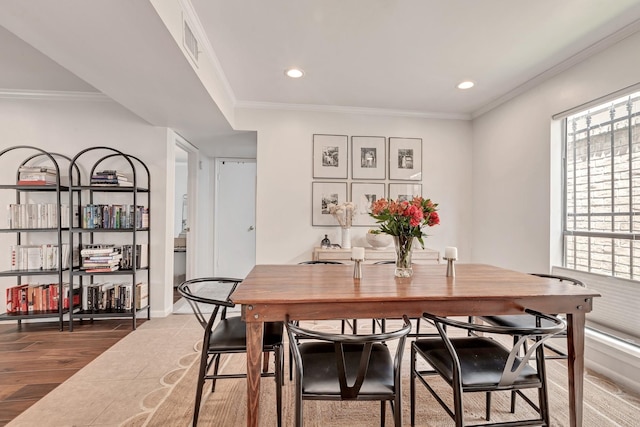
x: 36, y: 357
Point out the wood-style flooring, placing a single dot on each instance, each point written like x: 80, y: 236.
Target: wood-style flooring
x: 37, y: 357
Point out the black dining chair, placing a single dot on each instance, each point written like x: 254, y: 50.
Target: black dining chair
x: 523, y: 320
x: 348, y: 367
x: 475, y: 363
x: 526, y: 321
x: 352, y: 324
x: 210, y: 300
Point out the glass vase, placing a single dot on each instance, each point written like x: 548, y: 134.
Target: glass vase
x: 403, y: 255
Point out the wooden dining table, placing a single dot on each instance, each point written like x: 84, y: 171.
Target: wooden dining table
x: 318, y: 292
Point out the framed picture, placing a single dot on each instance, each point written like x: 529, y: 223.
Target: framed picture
x: 405, y: 159
x: 368, y: 157
x: 363, y: 195
x: 404, y: 191
x: 330, y: 156
x: 324, y: 193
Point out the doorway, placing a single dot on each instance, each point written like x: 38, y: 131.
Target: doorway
x: 235, y: 214
x: 185, y: 227
x: 181, y: 215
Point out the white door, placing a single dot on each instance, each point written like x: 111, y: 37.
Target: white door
x: 235, y: 238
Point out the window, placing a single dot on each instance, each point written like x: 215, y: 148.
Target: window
x: 602, y: 189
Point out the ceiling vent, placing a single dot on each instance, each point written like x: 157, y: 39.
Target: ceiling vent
x: 190, y: 42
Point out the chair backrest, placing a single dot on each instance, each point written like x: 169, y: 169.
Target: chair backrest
x: 209, y: 293
x: 340, y: 341
x: 515, y: 363
x: 560, y: 278
x: 320, y: 262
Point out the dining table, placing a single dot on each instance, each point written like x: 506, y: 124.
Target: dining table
x: 272, y: 293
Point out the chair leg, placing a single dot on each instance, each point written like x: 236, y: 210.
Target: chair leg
x: 200, y: 386
x: 513, y: 401
x: 487, y: 414
x: 299, y: 413
x: 412, y: 386
x: 278, y: 377
x: 383, y: 412
x: 458, y: 405
x: 290, y: 362
x: 397, y: 413
x: 216, y: 365
x: 265, y: 362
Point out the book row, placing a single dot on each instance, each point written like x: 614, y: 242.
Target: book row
x: 111, y: 178
x: 30, y: 298
x: 114, y: 216
x: 98, y: 258
x: 36, y: 175
x: 39, y: 257
x: 37, y: 215
x: 114, y: 297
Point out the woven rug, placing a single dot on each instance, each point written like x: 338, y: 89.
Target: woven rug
x: 603, y: 405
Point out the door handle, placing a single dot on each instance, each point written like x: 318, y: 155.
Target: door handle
x: 251, y: 228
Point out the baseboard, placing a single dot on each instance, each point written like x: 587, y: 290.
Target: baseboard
x: 613, y: 358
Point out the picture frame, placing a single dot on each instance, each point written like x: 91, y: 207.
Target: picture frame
x: 405, y: 159
x: 368, y: 157
x: 322, y: 194
x: 362, y: 195
x: 330, y: 156
x: 401, y: 192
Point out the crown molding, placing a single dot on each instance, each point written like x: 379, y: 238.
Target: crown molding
x: 579, y: 57
x: 349, y: 110
x: 52, y: 95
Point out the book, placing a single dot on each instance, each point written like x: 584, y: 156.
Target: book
x: 99, y: 249
x: 36, y: 182
x: 11, y: 305
x: 102, y: 269
x: 37, y: 169
x: 142, y: 295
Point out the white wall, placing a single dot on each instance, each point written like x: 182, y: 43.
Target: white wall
x: 517, y: 161
x: 283, y: 231
x: 517, y: 183
x: 67, y: 125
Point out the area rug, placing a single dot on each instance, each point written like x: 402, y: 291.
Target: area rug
x: 227, y: 406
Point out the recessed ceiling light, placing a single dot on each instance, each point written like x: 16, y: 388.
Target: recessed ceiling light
x: 294, y: 73
x: 466, y: 85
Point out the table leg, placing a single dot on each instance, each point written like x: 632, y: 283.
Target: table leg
x: 575, y: 366
x: 254, y: 359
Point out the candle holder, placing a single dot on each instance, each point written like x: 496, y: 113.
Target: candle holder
x: 451, y: 267
x: 357, y: 268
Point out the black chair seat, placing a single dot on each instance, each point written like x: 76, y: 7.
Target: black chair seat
x: 321, y: 373
x: 482, y: 362
x: 345, y: 367
x: 230, y: 335
x: 516, y: 321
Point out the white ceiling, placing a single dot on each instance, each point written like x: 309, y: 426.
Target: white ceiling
x: 397, y: 56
